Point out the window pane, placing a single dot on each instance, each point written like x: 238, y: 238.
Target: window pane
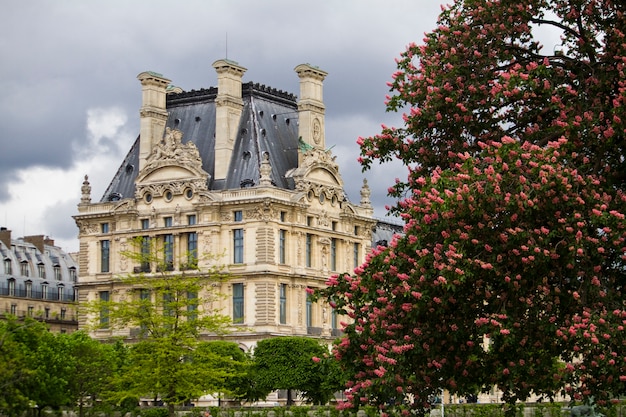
x: 283, y: 303
x: 238, y: 246
x: 104, y: 255
x: 238, y: 306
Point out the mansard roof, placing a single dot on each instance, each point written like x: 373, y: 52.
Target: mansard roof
x: 268, y: 124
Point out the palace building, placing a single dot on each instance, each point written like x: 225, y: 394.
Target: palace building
x: 37, y: 280
x: 239, y: 170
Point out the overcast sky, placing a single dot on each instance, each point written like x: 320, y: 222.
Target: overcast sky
x: 69, y: 102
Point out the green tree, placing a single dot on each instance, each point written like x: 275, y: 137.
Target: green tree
x: 292, y: 363
x: 167, y: 312
x: 89, y: 367
x: 510, y: 271
x: 35, y: 367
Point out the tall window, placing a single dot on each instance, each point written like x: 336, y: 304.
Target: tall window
x: 333, y: 254
x: 57, y: 272
x: 29, y: 289
x: 145, y: 254
x: 308, y: 249
x: 104, y: 309
x: 24, y: 268
x: 168, y: 251
x: 283, y: 304
x: 192, y: 306
x: 104, y: 227
x: 60, y: 292
x: 309, y: 311
x: 333, y: 319
x: 238, y: 246
x: 356, y: 250
x: 192, y: 249
x: 238, y: 303
x: 41, y: 270
x: 8, y: 267
x: 282, y: 240
x: 11, y: 283
x: 105, y: 248
x: 44, y: 290
x: 72, y: 274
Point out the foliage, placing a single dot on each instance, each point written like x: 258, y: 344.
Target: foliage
x: 510, y: 271
x: 89, y: 370
x: 293, y: 363
x: 167, y: 312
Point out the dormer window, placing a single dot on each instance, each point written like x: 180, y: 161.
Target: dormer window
x: 24, y: 268
x: 8, y: 267
x: 72, y: 274
x: 41, y: 270
x: 57, y: 272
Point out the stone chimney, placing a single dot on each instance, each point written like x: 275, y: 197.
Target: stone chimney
x: 228, y: 108
x: 36, y: 240
x: 5, y: 237
x: 311, y: 105
x: 153, y: 112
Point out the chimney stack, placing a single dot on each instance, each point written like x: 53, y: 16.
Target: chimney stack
x: 228, y: 108
x: 311, y: 107
x: 5, y: 237
x: 36, y: 240
x: 153, y: 112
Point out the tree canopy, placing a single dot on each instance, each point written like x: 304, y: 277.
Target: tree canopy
x: 510, y: 271
x: 167, y: 313
x: 294, y: 363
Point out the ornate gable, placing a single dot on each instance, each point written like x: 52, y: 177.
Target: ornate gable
x: 172, y: 165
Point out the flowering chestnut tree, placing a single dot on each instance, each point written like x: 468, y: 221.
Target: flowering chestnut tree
x: 511, y: 268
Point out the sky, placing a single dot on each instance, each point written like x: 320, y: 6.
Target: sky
x: 69, y: 102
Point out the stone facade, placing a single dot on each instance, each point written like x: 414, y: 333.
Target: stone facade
x: 241, y: 171
x: 37, y: 280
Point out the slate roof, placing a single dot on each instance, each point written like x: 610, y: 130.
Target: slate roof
x: 269, y: 123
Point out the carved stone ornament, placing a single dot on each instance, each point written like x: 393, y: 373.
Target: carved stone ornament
x: 172, y: 153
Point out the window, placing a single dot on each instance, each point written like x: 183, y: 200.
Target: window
x: 309, y: 221
x: 333, y: 319
x: 238, y: 305
x: 30, y: 310
x: 282, y: 246
x: 44, y: 290
x: 72, y: 274
x: 309, y: 311
x: 14, y: 309
x: 46, y: 312
x: 283, y: 304
x: 238, y: 214
x: 105, y: 248
x: 192, y: 249
x: 191, y: 219
x: 192, y: 306
x: 57, y: 273
x: 104, y: 309
x: 145, y: 254
x: 60, y: 292
x: 308, y: 249
x: 334, y: 226
x: 333, y: 254
x: 63, y: 313
x: 356, y: 230
x: 29, y: 289
x: 356, y: 250
x: 167, y: 221
x: 41, y: 270
x: 238, y: 246
x: 24, y: 268
x: 11, y: 283
x: 104, y: 227
x: 8, y: 267
x: 145, y: 224
x: 283, y: 216
x: 168, y: 252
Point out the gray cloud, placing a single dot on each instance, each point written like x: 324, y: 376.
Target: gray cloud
x: 64, y: 59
